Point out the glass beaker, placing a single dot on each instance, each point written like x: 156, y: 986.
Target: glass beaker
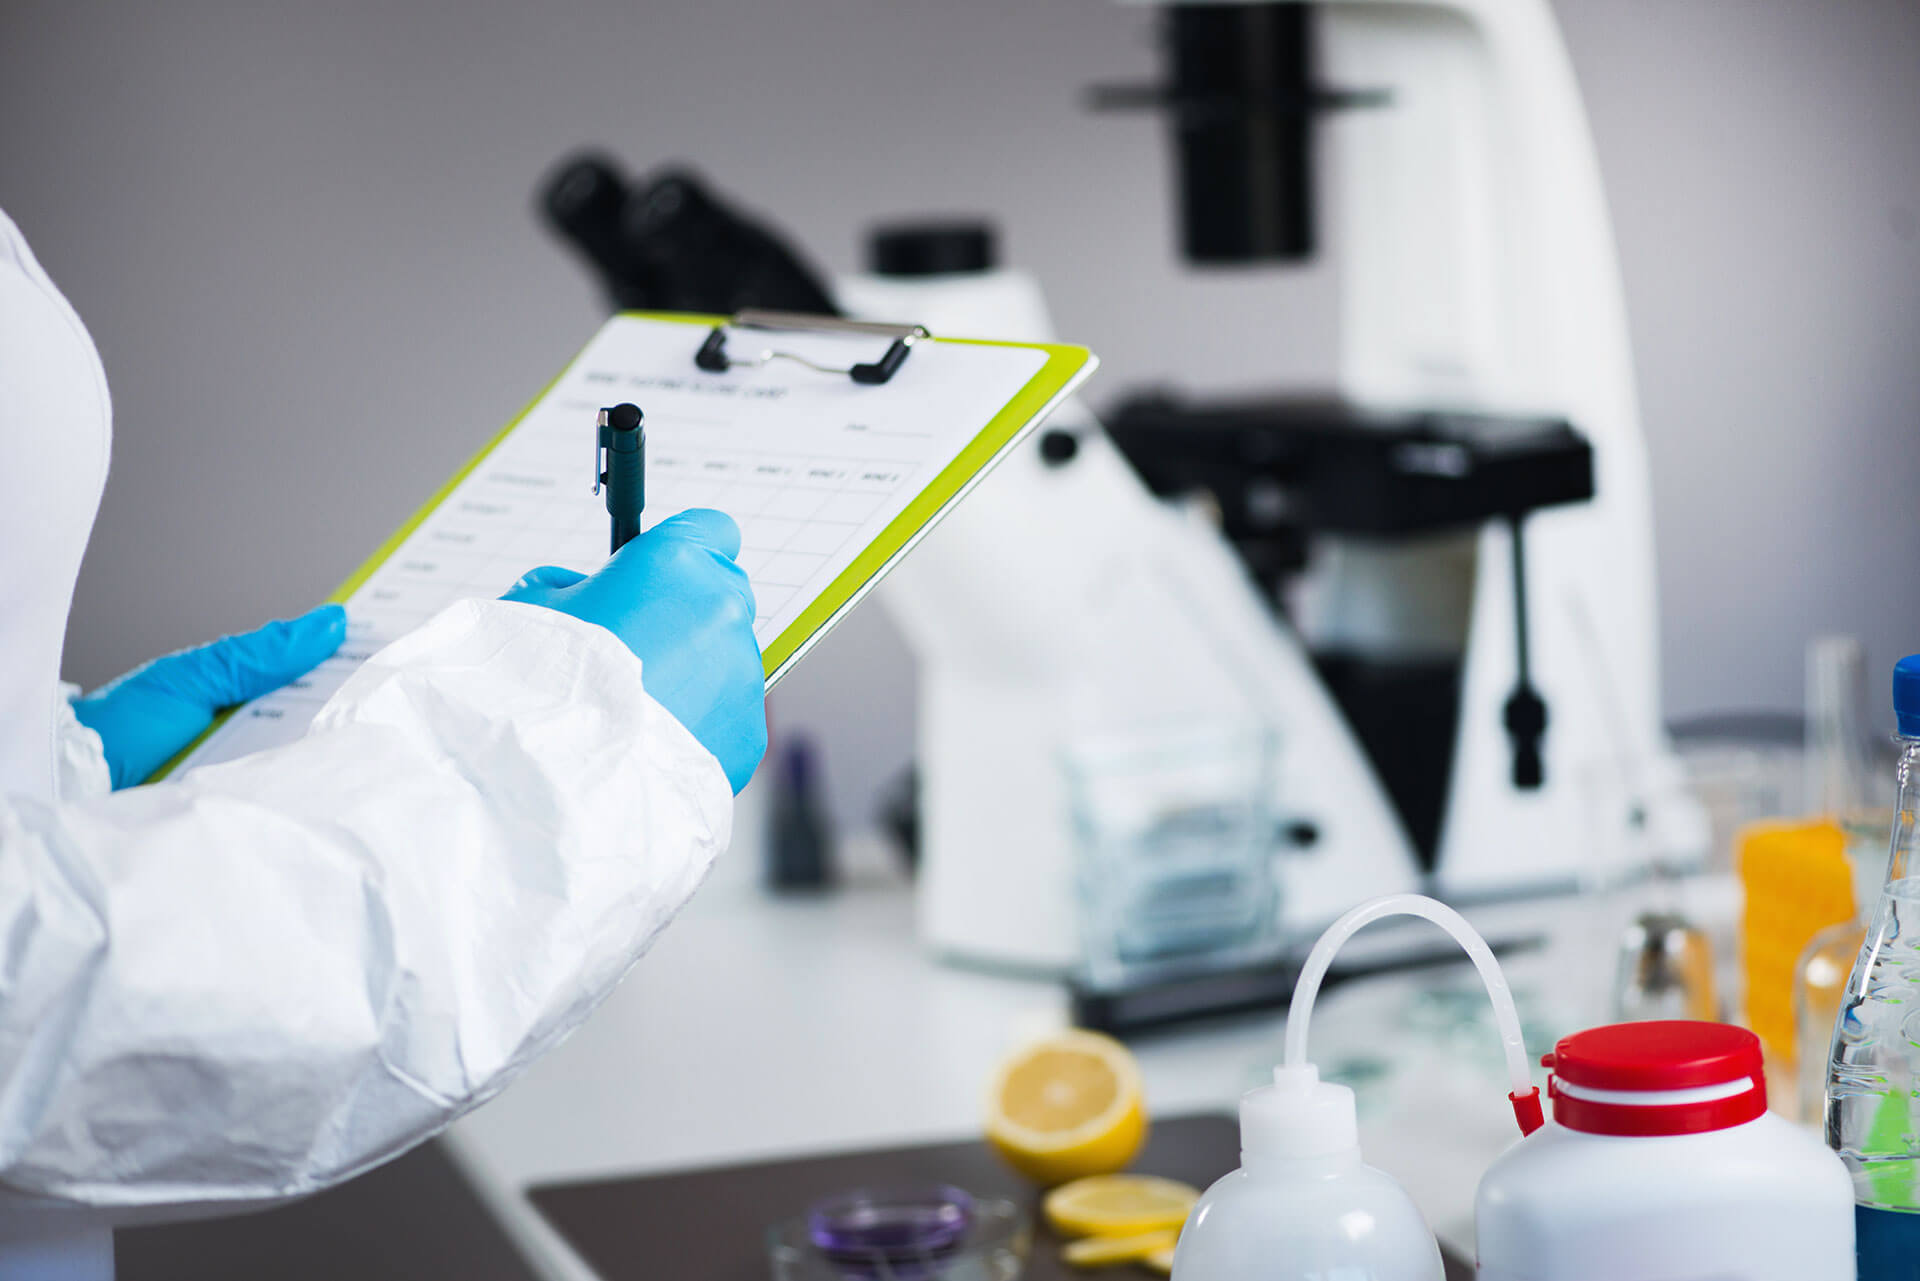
x: 1176, y: 833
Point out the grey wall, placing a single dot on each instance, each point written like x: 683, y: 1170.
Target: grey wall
x: 302, y: 239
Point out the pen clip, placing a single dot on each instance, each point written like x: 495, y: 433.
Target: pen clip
x: 600, y: 452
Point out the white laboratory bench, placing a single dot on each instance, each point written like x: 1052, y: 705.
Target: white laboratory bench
x: 763, y: 1028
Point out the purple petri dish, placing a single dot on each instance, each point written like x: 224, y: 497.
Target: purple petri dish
x: 900, y: 1224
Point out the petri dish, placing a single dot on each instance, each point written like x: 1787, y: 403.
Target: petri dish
x: 906, y: 1235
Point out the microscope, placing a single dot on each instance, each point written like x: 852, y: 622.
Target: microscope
x: 1434, y: 584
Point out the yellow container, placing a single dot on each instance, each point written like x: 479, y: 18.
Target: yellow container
x: 1797, y: 883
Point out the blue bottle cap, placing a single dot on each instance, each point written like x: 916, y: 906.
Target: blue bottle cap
x: 1906, y: 696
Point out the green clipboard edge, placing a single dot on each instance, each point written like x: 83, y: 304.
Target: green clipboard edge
x: 1066, y: 368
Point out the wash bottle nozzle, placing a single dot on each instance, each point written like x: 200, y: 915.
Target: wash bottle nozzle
x: 1524, y: 1094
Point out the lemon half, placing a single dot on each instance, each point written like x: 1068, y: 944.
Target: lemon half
x: 1066, y: 1107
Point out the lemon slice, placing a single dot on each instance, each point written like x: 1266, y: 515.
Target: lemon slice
x: 1066, y: 1107
x: 1099, y: 1252
x: 1119, y: 1205
x: 1160, y: 1261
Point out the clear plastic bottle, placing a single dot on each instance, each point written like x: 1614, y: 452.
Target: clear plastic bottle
x: 1873, y: 1077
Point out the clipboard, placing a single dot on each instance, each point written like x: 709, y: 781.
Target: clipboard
x: 768, y: 391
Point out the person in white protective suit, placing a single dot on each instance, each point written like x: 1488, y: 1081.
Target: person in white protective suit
x: 265, y: 976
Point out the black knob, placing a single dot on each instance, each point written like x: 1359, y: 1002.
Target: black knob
x: 932, y: 248
x: 1526, y: 719
x: 1059, y: 447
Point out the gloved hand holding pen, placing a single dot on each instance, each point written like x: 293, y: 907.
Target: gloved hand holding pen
x: 676, y: 598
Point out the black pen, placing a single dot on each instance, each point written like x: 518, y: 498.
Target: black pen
x: 623, y: 446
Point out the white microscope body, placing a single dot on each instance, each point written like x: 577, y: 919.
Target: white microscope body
x: 1062, y: 601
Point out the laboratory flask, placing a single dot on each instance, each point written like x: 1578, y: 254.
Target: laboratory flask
x: 1841, y: 788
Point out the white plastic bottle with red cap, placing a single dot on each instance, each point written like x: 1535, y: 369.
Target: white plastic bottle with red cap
x: 1663, y: 1164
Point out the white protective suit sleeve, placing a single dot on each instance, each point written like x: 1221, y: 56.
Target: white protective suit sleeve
x: 80, y: 758
x: 276, y: 972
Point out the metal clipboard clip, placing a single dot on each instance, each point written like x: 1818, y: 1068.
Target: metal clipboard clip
x: 713, y: 356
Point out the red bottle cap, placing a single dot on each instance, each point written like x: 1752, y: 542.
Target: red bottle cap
x: 1671, y: 1077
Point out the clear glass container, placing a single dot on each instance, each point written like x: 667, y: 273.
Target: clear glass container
x: 1843, y: 784
x: 1664, y: 971
x: 1176, y: 836
x: 1820, y: 979
x: 1819, y: 989
x: 1637, y: 952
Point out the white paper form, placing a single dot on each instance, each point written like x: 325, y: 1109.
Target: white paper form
x: 811, y: 465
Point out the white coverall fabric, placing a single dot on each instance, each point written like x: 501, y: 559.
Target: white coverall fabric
x: 270, y: 974
x: 80, y: 769
x: 54, y: 438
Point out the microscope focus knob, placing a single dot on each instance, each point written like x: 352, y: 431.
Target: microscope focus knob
x: 1526, y: 721
x: 1058, y: 447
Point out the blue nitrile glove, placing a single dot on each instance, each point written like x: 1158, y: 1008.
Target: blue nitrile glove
x: 146, y: 716
x: 677, y: 600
